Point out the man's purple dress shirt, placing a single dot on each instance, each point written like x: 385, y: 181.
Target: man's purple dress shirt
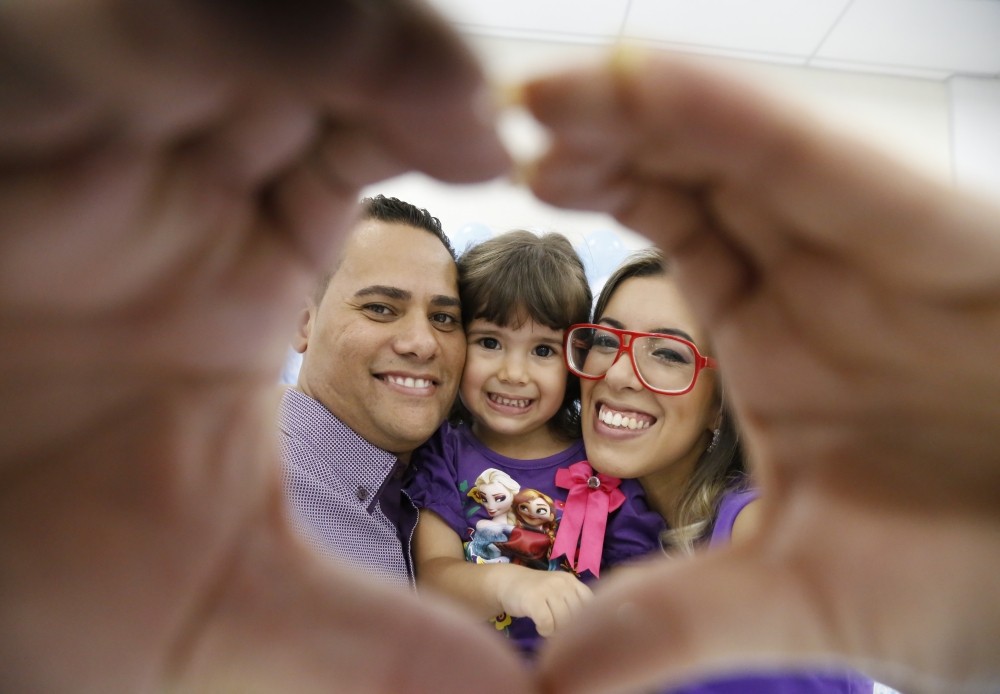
x: 344, y: 493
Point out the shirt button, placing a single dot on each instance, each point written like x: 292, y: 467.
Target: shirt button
x: 362, y: 494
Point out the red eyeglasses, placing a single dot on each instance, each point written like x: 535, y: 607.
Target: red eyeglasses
x: 665, y: 364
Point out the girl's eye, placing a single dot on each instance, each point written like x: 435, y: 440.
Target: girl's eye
x: 544, y: 351
x: 489, y: 343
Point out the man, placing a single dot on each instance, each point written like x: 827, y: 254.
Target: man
x: 383, y: 349
x: 176, y: 174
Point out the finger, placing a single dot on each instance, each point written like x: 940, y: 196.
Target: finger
x: 567, y: 605
x: 352, y: 156
x: 722, y: 144
x: 584, y: 180
x: 418, y: 86
x: 287, y: 622
x: 670, y: 621
x: 541, y: 613
x: 783, y: 600
x: 393, y: 79
x: 313, y: 210
x: 157, y: 70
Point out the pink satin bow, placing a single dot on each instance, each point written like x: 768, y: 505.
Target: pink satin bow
x: 590, y: 499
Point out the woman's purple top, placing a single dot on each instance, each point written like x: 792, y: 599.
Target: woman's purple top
x: 445, y: 471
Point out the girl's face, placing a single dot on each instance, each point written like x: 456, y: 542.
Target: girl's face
x: 514, y: 380
x: 497, y: 499
x: 658, y: 436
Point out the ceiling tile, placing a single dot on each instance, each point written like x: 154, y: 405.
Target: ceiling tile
x: 924, y: 73
x: 786, y: 27
x: 733, y: 53
x: 956, y: 35
x: 594, y: 18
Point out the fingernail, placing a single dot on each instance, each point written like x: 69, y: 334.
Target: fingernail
x: 628, y: 59
x: 523, y: 172
x: 524, y: 137
x: 508, y: 94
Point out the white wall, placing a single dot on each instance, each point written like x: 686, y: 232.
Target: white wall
x: 908, y: 117
x: 975, y: 105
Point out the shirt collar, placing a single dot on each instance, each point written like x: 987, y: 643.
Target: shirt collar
x: 342, y: 453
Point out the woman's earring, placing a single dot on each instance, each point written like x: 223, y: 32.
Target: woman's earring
x: 716, y: 433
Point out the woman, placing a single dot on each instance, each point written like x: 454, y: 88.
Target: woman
x: 653, y: 409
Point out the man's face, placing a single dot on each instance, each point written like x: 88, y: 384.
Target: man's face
x: 384, y: 349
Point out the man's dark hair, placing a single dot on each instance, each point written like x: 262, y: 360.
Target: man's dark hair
x: 392, y: 211
x: 386, y: 209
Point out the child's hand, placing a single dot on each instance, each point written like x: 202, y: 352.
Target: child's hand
x: 549, y: 598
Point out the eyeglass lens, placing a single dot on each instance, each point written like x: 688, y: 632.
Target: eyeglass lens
x: 662, y: 362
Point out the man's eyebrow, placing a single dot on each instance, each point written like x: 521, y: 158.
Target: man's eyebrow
x: 440, y: 300
x: 386, y: 291
x: 446, y: 301
x: 676, y: 332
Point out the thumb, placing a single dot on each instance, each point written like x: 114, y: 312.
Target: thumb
x: 674, y: 620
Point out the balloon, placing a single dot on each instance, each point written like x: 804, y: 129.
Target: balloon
x: 596, y: 285
x: 468, y: 235
x: 290, y: 370
x: 606, y: 252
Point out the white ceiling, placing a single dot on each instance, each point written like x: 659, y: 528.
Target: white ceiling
x: 934, y: 39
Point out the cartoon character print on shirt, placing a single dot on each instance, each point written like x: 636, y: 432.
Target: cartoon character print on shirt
x: 521, y: 523
x: 520, y: 527
x: 530, y: 541
x: 494, y: 491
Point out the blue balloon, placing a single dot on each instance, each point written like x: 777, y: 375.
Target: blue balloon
x: 290, y: 370
x: 596, y: 285
x: 606, y: 252
x: 468, y: 235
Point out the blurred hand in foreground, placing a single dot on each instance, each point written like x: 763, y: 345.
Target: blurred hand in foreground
x: 854, y: 309
x: 175, y: 175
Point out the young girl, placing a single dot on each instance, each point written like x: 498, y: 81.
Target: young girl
x: 492, y: 540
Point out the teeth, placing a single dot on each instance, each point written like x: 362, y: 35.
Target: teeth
x: 409, y: 382
x: 510, y: 402
x: 621, y: 421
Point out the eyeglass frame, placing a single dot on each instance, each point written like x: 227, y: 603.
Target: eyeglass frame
x: 701, y: 361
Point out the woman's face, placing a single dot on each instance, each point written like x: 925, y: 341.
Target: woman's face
x: 657, y: 435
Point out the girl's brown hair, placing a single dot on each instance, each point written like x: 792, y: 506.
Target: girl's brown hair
x: 520, y: 276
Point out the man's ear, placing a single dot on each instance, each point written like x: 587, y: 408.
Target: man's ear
x: 303, y: 327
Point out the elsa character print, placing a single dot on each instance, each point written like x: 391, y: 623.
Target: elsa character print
x: 494, y: 491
